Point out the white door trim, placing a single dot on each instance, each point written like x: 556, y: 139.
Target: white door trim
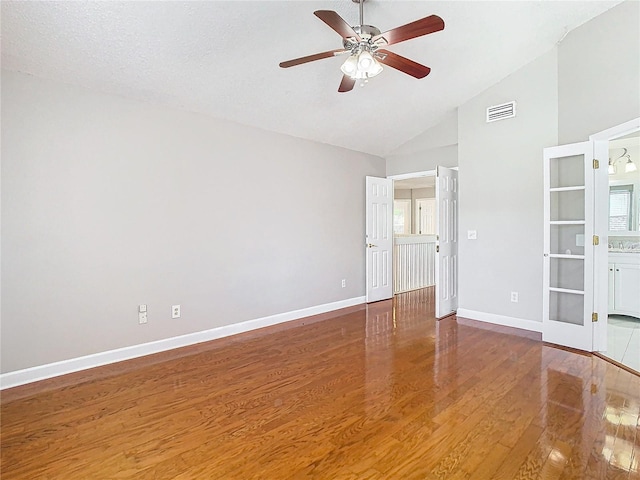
x: 423, y: 173
x: 617, y: 131
x: 404, y: 176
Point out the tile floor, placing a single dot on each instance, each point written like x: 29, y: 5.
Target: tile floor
x: 623, y: 340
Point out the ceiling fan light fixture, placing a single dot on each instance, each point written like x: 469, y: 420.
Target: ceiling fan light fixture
x: 350, y: 66
x: 374, y: 69
x: 361, y: 65
x: 365, y: 61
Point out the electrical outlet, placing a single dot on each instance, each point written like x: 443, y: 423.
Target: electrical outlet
x: 175, y: 311
x: 142, y: 314
x: 344, y: 283
x: 514, y: 297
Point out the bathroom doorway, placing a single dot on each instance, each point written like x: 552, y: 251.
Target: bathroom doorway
x: 623, y: 245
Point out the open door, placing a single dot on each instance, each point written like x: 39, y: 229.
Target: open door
x: 379, y: 241
x: 568, y: 246
x: 447, y: 242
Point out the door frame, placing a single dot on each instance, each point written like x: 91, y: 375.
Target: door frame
x: 601, y: 227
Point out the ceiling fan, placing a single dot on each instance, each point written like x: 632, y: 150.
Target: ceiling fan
x: 364, y: 44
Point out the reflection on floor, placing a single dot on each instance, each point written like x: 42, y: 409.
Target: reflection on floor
x: 623, y: 340
x: 374, y: 392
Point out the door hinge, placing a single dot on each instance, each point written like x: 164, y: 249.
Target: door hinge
x: 596, y: 240
x: 437, y: 248
x: 596, y: 164
x: 594, y: 317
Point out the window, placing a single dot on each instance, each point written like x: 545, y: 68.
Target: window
x: 620, y: 199
x: 402, y: 216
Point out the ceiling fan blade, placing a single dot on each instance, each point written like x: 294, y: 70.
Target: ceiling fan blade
x: 401, y: 63
x: 424, y: 26
x: 336, y: 22
x: 347, y: 83
x: 312, y: 58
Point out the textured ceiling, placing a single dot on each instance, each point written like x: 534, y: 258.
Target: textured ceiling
x: 221, y: 58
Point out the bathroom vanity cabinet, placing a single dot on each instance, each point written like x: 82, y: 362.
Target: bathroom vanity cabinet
x: 624, y: 284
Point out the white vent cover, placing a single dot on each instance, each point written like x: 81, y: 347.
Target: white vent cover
x: 500, y: 112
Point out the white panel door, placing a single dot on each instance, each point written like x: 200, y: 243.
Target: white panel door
x: 379, y: 241
x: 425, y: 218
x: 568, y: 246
x: 447, y: 242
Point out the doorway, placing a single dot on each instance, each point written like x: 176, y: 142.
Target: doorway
x: 414, y: 232
x: 577, y: 233
x: 622, y: 201
x: 433, y: 229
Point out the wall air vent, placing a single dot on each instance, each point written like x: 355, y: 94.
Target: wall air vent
x: 500, y: 112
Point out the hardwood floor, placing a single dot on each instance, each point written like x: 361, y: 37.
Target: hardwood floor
x: 382, y: 392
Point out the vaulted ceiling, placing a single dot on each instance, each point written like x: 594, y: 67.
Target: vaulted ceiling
x: 220, y: 58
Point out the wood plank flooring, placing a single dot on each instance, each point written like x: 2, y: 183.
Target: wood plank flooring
x: 378, y: 392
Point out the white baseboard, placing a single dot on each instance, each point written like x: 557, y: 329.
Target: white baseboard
x: 503, y: 320
x: 41, y: 372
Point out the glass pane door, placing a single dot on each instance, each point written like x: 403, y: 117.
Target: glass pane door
x: 568, y: 208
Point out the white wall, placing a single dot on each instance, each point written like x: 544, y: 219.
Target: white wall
x: 435, y: 146
x: 427, y: 192
x: 599, y: 74
x: 501, y: 193
x: 108, y: 203
x: 402, y: 193
x: 591, y: 82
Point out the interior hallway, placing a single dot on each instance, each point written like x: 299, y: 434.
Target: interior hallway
x: 382, y: 391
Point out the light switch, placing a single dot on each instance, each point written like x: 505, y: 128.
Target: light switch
x: 472, y: 234
x: 142, y: 308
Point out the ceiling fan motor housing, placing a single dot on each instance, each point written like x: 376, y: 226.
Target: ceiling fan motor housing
x: 366, y: 33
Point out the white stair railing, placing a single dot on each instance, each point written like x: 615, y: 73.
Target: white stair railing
x: 413, y: 262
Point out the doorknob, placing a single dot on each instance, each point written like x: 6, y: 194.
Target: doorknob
x: 371, y: 245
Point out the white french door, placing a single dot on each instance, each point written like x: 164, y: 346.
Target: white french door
x: 379, y: 240
x: 447, y: 242
x: 568, y: 246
